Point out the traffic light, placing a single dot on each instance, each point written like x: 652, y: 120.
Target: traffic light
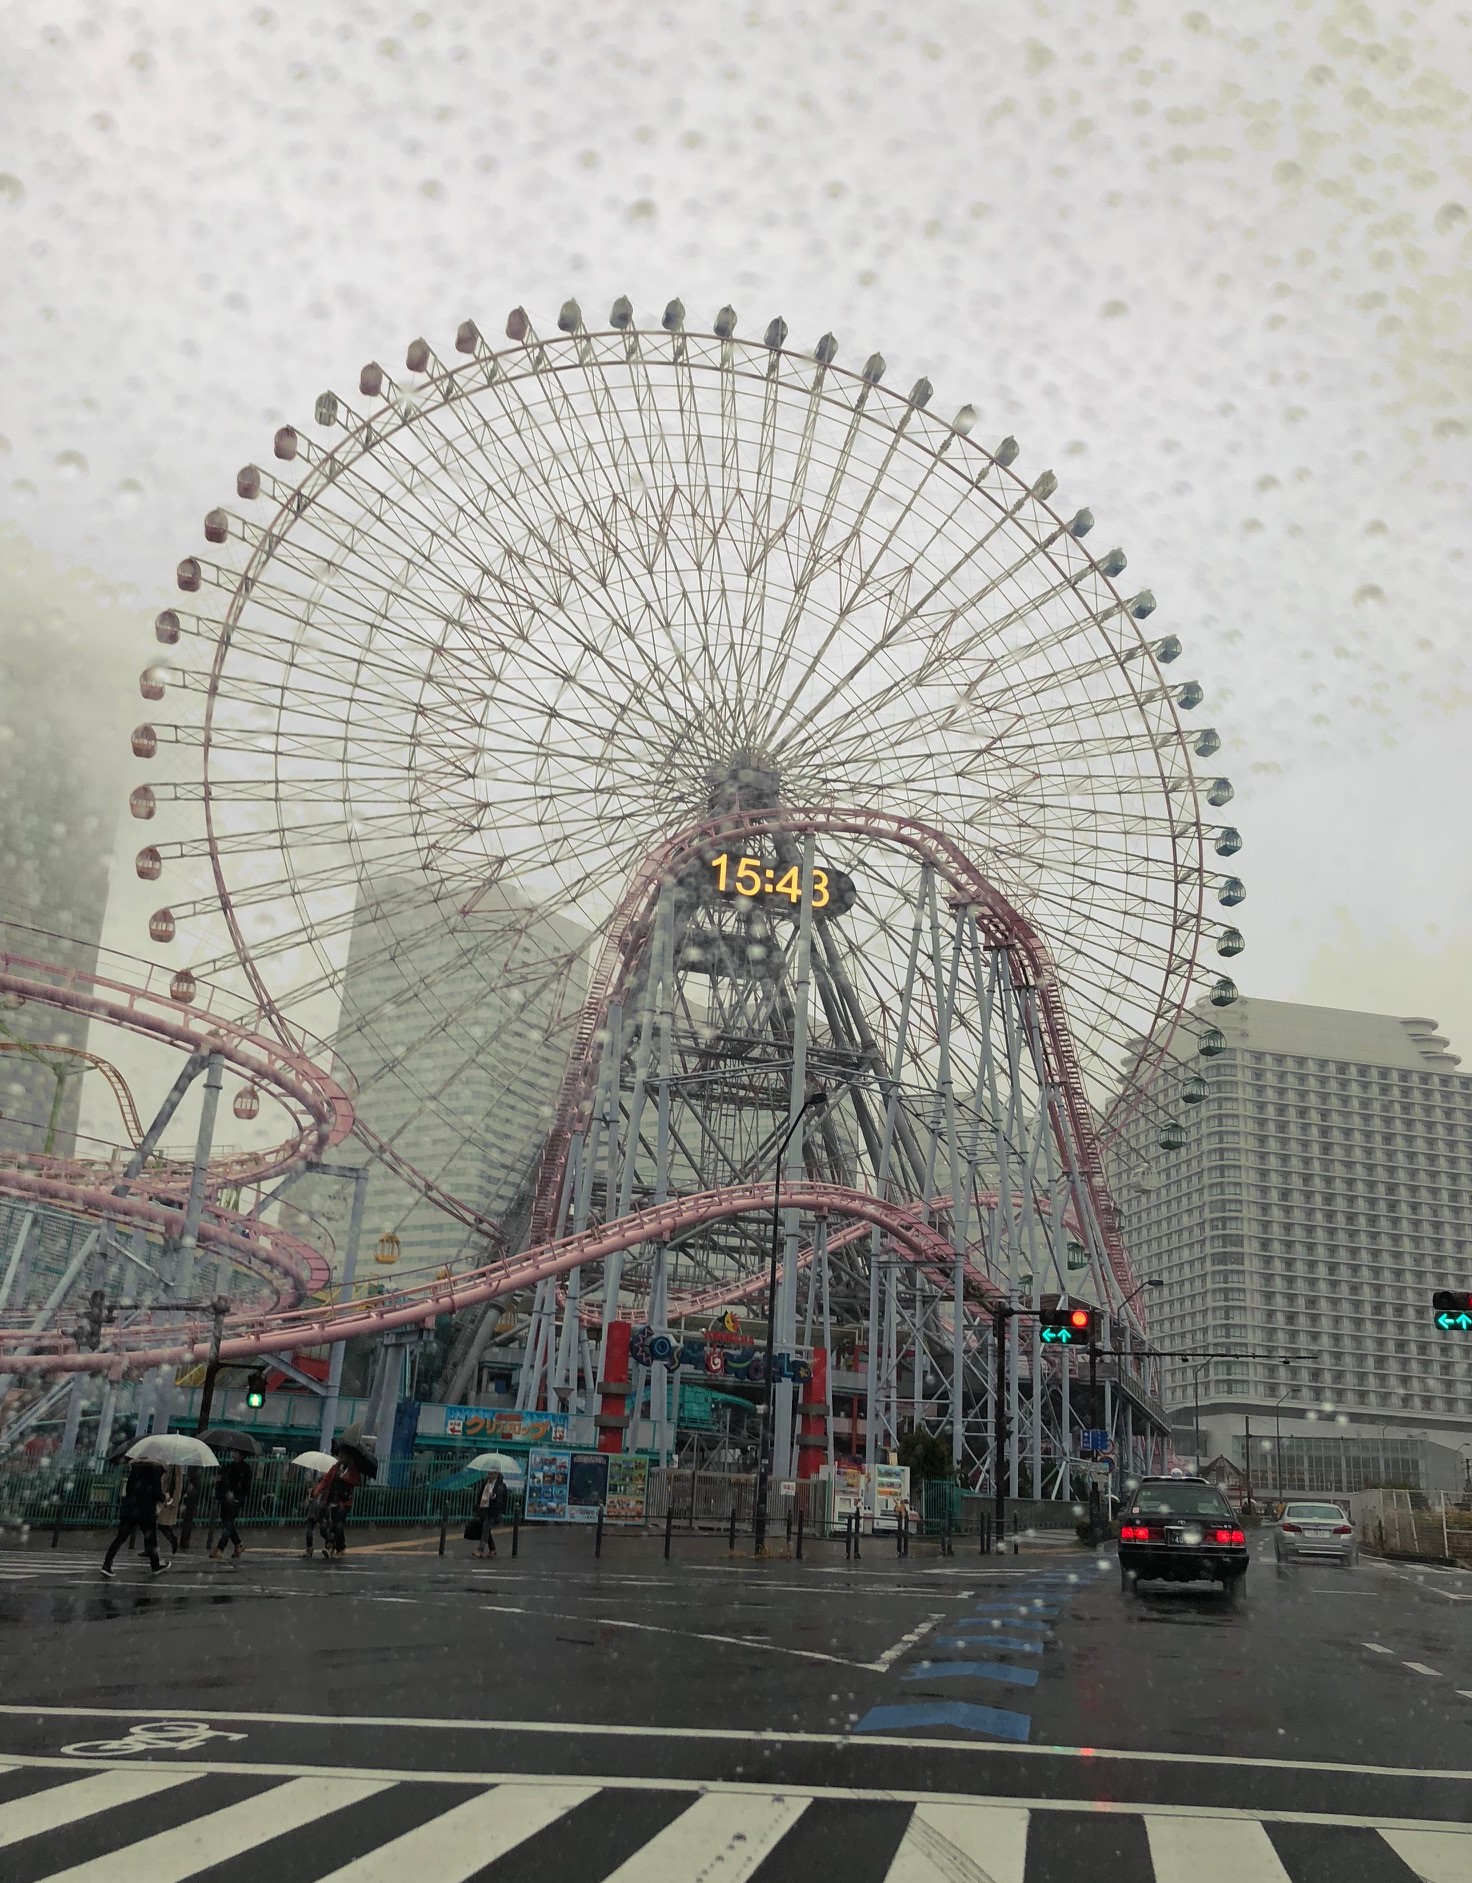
x: 255, y: 1391
x: 1066, y: 1327
x: 1452, y: 1311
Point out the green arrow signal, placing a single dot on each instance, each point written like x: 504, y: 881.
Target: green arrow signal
x: 1446, y: 1322
x: 1059, y: 1336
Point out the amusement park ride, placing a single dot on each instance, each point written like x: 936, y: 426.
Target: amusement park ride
x: 773, y: 752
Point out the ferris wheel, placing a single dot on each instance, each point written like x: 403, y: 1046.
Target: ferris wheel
x: 468, y: 653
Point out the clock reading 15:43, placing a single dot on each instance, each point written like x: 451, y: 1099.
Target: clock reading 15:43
x: 749, y: 876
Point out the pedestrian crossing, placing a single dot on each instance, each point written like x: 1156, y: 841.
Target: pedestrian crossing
x: 164, y: 1824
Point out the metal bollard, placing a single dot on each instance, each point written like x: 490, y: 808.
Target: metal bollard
x: 56, y: 1526
x: 515, y: 1531
x: 442, y: 1529
x: 799, y: 1536
x: 858, y: 1531
x: 669, y: 1530
x: 899, y: 1534
x: 1015, y: 1545
x: 598, y: 1534
x: 848, y: 1537
x: 731, y: 1539
x: 789, y: 1523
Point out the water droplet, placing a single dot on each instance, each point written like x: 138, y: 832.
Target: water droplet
x: 12, y: 190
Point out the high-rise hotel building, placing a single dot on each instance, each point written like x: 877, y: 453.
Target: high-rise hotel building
x: 1323, y: 1191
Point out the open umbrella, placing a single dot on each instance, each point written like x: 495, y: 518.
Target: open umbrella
x: 315, y: 1460
x: 490, y: 1461
x: 353, y: 1445
x: 241, y: 1442
x: 172, y: 1448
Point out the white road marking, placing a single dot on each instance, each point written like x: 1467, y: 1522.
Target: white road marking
x: 170, y: 1856
x: 685, y: 1634
x: 459, y: 1842
x: 599, y: 1729
x: 891, y: 1655
x: 1420, y: 1667
x: 1420, y: 1582
x: 944, y: 1842
x: 1213, y: 1814
x: 1465, y: 1692
x: 1209, y: 1851
x: 47, y: 1810
x: 1376, y: 1647
x: 718, y: 1833
x: 1435, y: 1856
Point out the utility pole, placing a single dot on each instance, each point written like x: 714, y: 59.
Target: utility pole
x: 219, y: 1308
x: 1247, y: 1460
x: 1094, y: 1530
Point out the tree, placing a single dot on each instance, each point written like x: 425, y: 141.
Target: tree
x: 925, y: 1454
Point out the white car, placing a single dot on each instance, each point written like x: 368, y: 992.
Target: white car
x: 1315, y: 1533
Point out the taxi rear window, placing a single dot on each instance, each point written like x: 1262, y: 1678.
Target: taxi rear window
x: 1179, y: 1500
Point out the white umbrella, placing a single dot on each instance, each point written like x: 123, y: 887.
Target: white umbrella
x: 490, y: 1461
x: 173, y: 1448
x: 315, y: 1461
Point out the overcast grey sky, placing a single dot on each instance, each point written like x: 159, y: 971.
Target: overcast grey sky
x: 1210, y: 264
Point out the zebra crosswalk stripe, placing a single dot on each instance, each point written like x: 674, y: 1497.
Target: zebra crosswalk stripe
x: 171, y: 1856
x: 729, y: 1833
x: 462, y: 1840
x: 49, y: 1810
x: 720, y: 1827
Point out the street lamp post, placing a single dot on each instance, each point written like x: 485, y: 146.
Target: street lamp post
x: 815, y: 1101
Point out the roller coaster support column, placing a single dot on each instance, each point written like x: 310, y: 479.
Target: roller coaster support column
x: 214, y: 1078
x: 349, y: 1271
x: 613, y: 1410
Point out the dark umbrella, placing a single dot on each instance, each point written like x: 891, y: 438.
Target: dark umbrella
x: 353, y: 1445
x: 241, y: 1442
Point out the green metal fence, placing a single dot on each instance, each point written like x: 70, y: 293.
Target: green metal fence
x: 86, y: 1499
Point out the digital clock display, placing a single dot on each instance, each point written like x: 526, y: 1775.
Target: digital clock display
x: 756, y: 880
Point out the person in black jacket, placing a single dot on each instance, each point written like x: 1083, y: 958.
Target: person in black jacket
x: 233, y: 1489
x: 138, y: 1510
x: 492, y: 1508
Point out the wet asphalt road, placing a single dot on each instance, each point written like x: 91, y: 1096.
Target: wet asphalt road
x: 1032, y: 1676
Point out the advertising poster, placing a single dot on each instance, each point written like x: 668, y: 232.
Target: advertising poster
x: 506, y: 1427
x: 891, y: 1491
x: 587, y: 1485
x: 628, y: 1488
x: 546, y: 1487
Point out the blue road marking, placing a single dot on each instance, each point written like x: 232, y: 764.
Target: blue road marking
x: 973, y: 1670
x: 978, y: 1625
x: 970, y: 1719
x: 1005, y: 1644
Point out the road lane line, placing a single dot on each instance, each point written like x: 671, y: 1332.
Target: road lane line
x: 602, y: 1729
x: 1465, y: 1692
x: 48, y: 1810
x: 1419, y: 1582
x: 685, y: 1634
x: 171, y: 1856
x: 1420, y: 1667
x: 1376, y: 1647
x: 462, y: 1840
x: 1212, y: 1850
x: 1435, y: 1856
x: 945, y: 1842
x: 891, y: 1655
x: 735, y: 1834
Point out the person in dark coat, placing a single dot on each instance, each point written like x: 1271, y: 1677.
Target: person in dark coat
x: 336, y: 1494
x: 232, y: 1491
x: 138, y: 1510
x: 492, y: 1507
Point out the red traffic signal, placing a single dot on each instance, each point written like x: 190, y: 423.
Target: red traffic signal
x: 1066, y: 1327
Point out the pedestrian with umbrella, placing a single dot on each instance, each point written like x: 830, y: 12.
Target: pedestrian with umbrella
x: 233, y: 1487
x: 490, y: 1505
x: 143, y: 1490
x: 355, y: 1464
x: 323, y: 1464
